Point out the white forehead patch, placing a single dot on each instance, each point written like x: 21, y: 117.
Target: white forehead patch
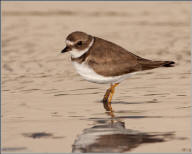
x: 78, y: 53
x: 69, y: 42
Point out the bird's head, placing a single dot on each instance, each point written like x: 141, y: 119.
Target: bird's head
x: 78, y: 43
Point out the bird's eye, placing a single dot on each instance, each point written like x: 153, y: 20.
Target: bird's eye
x: 79, y: 43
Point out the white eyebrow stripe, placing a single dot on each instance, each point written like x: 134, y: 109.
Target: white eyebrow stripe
x: 69, y: 42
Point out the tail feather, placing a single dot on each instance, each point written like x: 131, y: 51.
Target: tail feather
x: 168, y: 63
x: 148, y: 64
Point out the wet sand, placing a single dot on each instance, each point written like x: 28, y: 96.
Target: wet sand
x: 48, y: 107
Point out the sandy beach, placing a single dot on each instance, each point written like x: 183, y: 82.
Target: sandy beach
x: 47, y: 107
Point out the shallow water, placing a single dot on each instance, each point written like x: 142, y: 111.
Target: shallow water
x: 48, y: 107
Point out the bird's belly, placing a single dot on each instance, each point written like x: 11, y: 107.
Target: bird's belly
x: 89, y: 74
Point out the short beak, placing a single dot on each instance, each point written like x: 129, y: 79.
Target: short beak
x: 66, y: 49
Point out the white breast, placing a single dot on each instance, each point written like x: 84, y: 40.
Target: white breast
x: 89, y: 74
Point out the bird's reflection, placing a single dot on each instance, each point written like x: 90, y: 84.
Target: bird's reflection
x: 112, y: 136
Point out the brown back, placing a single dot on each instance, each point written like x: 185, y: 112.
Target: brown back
x: 109, y: 59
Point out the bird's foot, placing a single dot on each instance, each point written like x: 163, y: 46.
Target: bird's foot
x: 106, y: 103
x: 107, y: 106
x: 108, y: 97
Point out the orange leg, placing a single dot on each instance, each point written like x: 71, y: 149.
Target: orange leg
x: 108, y: 97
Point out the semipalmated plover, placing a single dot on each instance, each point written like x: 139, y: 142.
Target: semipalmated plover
x: 100, y: 61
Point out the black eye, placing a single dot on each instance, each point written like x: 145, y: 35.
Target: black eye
x: 79, y: 43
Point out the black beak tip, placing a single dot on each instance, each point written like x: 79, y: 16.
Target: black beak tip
x: 66, y: 49
x: 63, y: 51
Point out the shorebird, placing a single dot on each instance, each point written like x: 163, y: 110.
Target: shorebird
x: 101, y: 61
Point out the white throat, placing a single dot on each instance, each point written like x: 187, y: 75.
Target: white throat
x: 77, y: 53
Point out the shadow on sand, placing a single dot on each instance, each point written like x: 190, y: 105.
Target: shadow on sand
x: 112, y: 136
